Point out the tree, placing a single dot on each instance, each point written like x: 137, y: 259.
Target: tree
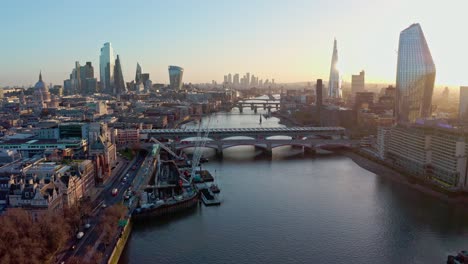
x: 23, y: 240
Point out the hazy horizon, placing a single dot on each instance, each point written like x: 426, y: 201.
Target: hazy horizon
x: 288, y: 41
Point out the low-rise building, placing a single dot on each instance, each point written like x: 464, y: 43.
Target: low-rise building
x: 430, y: 151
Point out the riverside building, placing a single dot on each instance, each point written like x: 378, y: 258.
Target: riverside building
x: 432, y: 151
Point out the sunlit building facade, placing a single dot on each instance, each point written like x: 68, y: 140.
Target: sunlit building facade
x: 175, y: 77
x: 334, y: 83
x: 415, y: 76
x: 106, y: 67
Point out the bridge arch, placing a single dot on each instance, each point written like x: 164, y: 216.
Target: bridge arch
x: 261, y: 146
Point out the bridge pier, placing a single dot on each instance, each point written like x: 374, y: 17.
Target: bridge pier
x: 309, y: 151
x: 241, y: 110
x: 219, y: 151
x: 277, y: 106
x: 255, y: 109
x: 264, y: 106
x: 269, y: 150
x: 269, y: 109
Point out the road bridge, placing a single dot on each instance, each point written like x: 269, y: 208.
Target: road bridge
x: 258, y: 133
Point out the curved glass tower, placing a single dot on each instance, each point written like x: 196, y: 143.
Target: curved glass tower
x: 334, y: 84
x: 175, y: 77
x: 415, y: 76
x: 106, y: 67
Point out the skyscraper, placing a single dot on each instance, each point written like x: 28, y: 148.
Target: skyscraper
x: 334, y: 83
x: 229, y: 78
x: 358, y: 83
x: 106, y: 67
x: 236, y: 79
x: 175, y: 77
x: 76, y: 79
x: 415, y: 76
x: 119, y: 83
x: 138, y: 73
x: 247, y: 79
x: 86, y: 72
x: 463, y: 107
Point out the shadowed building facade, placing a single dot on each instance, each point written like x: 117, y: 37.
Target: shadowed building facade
x: 415, y: 76
x: 175, y: 77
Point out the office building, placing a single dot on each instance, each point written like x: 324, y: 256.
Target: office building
x: 363, y: 100
x: 433, y: 152
x: 119, y: 83
x: 463, y: 107
x: 87, y: 77
x: 138, y: 73
x: 175, y: 77
x: 91, y: 85
x: 106, y: 67
x: 358, y: 83
x: 334, y: 83
x: 236, y: 79
x: 229, y: 79
x: 415, y: 76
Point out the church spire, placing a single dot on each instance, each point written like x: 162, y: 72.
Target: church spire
x: 40, y: 76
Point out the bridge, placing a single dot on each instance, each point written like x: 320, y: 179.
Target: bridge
x: 308, y: 138
x: 254, y: 133
x: 308, y: 145
x: 255, y: 103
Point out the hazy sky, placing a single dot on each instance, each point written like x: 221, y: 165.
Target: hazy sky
x: 286, y: 40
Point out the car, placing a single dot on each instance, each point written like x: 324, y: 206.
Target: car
x: 79, y: 235
x: 124, y: 179
x: 104, y: 205
x: 114, y: 192
x: 87, y: 226
x: 73, y: 247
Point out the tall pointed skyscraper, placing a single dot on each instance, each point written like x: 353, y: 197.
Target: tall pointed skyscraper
x: 119, y: 83
x: 138, y: 73
x: 334, y: 83
x: 106, y: 67
x: 415, y: 76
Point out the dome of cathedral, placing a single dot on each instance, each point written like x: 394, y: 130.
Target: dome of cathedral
x: 40, y: 84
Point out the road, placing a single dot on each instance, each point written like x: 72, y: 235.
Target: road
x: 92, y: 235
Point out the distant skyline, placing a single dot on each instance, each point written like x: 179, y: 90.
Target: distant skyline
x: 290, y: 41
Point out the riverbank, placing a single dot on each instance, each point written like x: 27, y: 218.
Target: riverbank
x: 457, y: 198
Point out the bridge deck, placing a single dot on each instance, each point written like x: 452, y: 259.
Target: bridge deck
x: 241, y: 130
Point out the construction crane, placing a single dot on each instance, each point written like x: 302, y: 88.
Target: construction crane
x: 199, y: 145
x: 162, y: 145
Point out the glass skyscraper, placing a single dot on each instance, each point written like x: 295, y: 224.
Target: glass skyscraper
x: 415, y: 76
x: 334, y: 83
x: 138, y: 73
x: 119, y: 83
x: 106, y: 67
x: 175, y: 77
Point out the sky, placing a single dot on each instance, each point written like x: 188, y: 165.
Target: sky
x: 290, y: 41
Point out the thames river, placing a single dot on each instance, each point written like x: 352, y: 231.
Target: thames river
x: 295, y: 209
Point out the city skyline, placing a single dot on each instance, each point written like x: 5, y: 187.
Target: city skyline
x: 206, y: 51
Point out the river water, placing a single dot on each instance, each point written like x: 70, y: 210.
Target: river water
x: 295, y: 209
